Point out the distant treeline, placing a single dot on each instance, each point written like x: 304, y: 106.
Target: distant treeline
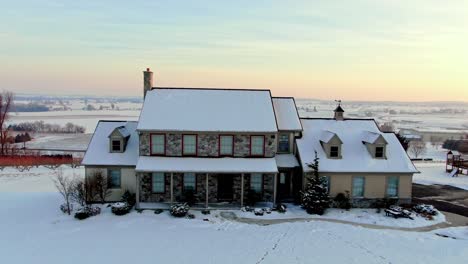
x: 31, y: 107
x: 458, y: 145
x: 42, y: 127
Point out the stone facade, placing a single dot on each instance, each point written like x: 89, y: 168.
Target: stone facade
x: 146, y: 194
x: 208, y: 144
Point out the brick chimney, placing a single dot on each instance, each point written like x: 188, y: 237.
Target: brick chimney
x: 147, y: 81
x: 339, y: 111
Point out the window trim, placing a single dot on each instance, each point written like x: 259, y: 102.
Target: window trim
x: 164, y: 183
x: 183, y: 182
x: 109, y: 180
x: 219, y: 146
x: 196, y: 146
x: 120, y: 144
x: 363, y: 187
x: 337, y: 151
x: 289, y: 143
x: 262, y: 178
x: 397, y: 187
x: 151, y: 145
x: 263, y: 150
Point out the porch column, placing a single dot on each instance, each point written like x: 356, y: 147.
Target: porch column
x: 206, y: 191
x: 242, y: 190
x: 137, y: 191
x: 172, y: 187
x: 275, y: 180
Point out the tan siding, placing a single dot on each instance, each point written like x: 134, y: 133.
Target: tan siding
x: 128, y: 180
x: 405, y: 187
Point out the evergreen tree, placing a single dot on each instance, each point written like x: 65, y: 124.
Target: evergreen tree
x: 315, y: 198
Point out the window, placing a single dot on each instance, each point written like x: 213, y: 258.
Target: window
x: 358, y: 186
x: 334, y: 151
x: 116, y: 145
x: 392, y: 186
x: 282, y: 178
x: 256, y: 180
x: 189, y: 181
x: 327, y: 182
x: 190, y: 144
x: 157, y: 182
x: 226, y: 145
x: 114, y: 178
x: 283, y: 143
x: 379, y: 152
x: 158, y: 144
x: 257, y: 145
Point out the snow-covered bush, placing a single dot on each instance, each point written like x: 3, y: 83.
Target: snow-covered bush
x: 342, y: 201
x: 121, y: 208
x: 179, y: 210
x: 66, y: 209
x: 158, y: 211
x: 281, y: 208
x: 425, y: 209
x: 87, y: 211
x: 129, y: 198
x: 259, y: 211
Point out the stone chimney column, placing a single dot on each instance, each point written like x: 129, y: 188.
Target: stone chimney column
x: 147, y: 81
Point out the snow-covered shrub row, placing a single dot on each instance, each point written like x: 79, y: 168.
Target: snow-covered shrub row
x: 179, y: 210
x: 425, y: 209
x: 121, y: 208
x: 87, y: 211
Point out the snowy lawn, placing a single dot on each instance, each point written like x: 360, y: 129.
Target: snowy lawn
x: 434, y: 173
x: 362, y: 216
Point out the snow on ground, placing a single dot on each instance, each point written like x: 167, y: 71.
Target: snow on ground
x: 35, y: 231
x: 453, y: 232
x: 434, y: 173
x: 35, y: 180
x: 362, y: 216
x: 59, y: 141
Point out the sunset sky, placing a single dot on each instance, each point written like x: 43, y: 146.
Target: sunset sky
x: 353, y: 50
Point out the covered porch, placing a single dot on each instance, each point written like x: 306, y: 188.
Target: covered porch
x: 216, y: 183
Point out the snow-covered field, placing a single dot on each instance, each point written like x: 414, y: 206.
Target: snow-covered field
x: 434, y: 173
x: 33, y: 230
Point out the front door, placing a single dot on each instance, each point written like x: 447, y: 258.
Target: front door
x: 284, y: 186
x: 225, y: 187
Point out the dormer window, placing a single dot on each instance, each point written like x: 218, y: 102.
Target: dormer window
x: 116, y: 146
x: 334, y: 152
x: 379, y: 152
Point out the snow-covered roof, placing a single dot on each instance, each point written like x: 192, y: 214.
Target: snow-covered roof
x: 326, y: 136
x: 286, y: 161
x: 122, y: 130
x: 98, y: 150
x: 210, y: 110
x: 370, y: 137
x: 286, y: 114
x: 355, y: 156
x: 206, y: 165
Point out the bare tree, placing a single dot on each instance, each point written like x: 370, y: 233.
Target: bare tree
x: 6, y: 103
x: 417, y: 148
x: 387, y: 127
x: 81, y: 192
x: 97, y: 187
x: 65, y: 187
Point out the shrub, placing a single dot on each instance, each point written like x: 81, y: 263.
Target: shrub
x: 342, y: 201
x: 66, y: 209
x: 426, y: 209
x: 190, y: 216
x: 205, y: 212
x: 87, y: 211
x: 158, y: 211
x: 259, y: 212
x: 179, y: 210
x: 121, y: 208
x: 281, y: 208
x: 129, y: 198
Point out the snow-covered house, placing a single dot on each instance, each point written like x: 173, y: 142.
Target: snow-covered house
x: 221, y: 145
x: 357, y: 158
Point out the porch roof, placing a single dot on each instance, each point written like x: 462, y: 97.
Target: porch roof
x: 286, y: 161
x: 206, y: 165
